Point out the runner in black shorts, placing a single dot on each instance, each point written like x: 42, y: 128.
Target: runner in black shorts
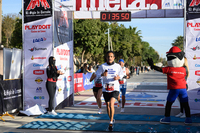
x: 97, y: 90
x: 110, y: 72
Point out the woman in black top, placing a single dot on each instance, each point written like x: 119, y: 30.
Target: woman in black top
x: 52, y: 75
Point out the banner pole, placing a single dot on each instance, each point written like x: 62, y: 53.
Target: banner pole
x: 184, y: 28
x: 23, y: 66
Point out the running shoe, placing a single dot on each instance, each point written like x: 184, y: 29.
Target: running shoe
x: 188, y: 120
x: 53, y: 112
x: 179, y: 115
x: 183, y: 116
x: 165, y: 120
x: 122, y: 110
x: 110, y: 127
x: 99, y: 112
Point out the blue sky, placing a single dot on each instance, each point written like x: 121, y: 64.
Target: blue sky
x: 159, y: 32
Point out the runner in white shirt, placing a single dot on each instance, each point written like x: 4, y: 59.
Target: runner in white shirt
x: 97, y: 89
x: 123, y: 83
x: 111, y: 72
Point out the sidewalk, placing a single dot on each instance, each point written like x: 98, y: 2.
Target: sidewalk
x: 11, y: 124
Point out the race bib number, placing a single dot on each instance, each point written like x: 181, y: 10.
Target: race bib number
x: 121, y: 81
x: 98, y: 83
x: 109, y: 87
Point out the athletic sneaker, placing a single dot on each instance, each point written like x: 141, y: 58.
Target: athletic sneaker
x: 50, y: 113
x: 110, y: 127
x: 165, y: 120
x: 53, y: 112
x: 99, y: 112
x: 179, y: 115
x: 122, y: 110
x: 188, y: 120
x: 113, y: 120
x: 183, y: 116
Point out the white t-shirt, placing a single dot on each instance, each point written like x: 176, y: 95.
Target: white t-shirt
x: 124, y: 72
x: 108, y: 80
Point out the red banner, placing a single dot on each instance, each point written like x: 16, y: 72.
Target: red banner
x: 78, y: 82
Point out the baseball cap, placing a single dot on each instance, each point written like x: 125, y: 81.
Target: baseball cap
x: 174, y: 49
x: 121, y: 60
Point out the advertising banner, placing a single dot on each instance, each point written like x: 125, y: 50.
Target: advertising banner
x: 78, y: 82
x: 117, y: 5
x: 86, y: 81
x: 192, y: 50
x: 37, y: 48
x: 64, y: 63
x: 10, y: 95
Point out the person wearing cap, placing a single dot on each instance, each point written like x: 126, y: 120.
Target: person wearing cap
x: 110, y: 72
x: 97, y: 89
x: 123, y: 85
x: 176, y: 82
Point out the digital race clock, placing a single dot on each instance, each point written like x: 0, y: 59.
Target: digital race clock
x: 115, y: 16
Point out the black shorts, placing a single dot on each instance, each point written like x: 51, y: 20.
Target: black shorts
x: 108, y: 95
x: 96, y: 89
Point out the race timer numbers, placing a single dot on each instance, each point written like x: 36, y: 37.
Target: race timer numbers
x: 115, y: 16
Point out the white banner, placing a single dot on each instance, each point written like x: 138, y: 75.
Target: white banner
x: 117, y: 5
x: 192, y: 50
x: 37, y: 50
x: 64, y: 62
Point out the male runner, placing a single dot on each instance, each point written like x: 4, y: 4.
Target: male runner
x: 111, y: 72
x: 123, y: 83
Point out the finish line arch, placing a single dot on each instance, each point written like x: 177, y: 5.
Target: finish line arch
x: 47, y: 25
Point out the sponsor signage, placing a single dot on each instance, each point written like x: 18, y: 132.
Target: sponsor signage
x: 193, y: 6
x: 198, y: 81
x: 38, y: 72
x: 37, y: 49
x: 38, y: 65
x: 39, y: 40
x: 37, y: 28
x: 197, y: 65
x: 38, y: 58
x: 38, y: 80
x: 195, y: 48
x: 195, y: 57
x: 37, y: 8
x: 195, y: 26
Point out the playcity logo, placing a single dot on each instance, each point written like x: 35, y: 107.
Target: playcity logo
x: 38, y: 72
x: 39, y: 40
x: 194, y: 3
x: 105, y: 5
x: 34, y: 3
x: 195, y: 48
x: 195, y: 57
x: 38, y: 27
x: 196, y: 26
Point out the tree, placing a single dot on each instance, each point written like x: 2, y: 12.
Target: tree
x: 8, y: 25
x: 178, y: 42
x: 89, y: 40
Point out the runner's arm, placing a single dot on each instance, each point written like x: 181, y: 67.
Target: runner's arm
x: 127, y: 73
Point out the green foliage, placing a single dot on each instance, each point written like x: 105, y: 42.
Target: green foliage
x: 16, y: 40
x: 179, y: 42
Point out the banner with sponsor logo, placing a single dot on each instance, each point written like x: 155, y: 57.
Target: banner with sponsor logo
x: 78, y: 82
x: 10, y: 95
x: 90, y: 9
x: 64, y: 63
x: 192, y: 50
x: 37, y: 48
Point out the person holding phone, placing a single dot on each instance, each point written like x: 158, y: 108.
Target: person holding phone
x: 52, y: 76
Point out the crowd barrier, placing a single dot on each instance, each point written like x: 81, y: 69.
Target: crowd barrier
x: 10, y: 95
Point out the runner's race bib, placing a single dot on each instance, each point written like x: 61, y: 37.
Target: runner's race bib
x: 121, y: 81
x: 98, y: 83
x: 109, y: 87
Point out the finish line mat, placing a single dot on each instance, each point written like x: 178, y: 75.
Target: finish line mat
x: 136, y: 99
x: 118, y: 127
x: 195, y: 119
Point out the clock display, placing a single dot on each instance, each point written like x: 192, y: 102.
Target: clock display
x: 115, y: 16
